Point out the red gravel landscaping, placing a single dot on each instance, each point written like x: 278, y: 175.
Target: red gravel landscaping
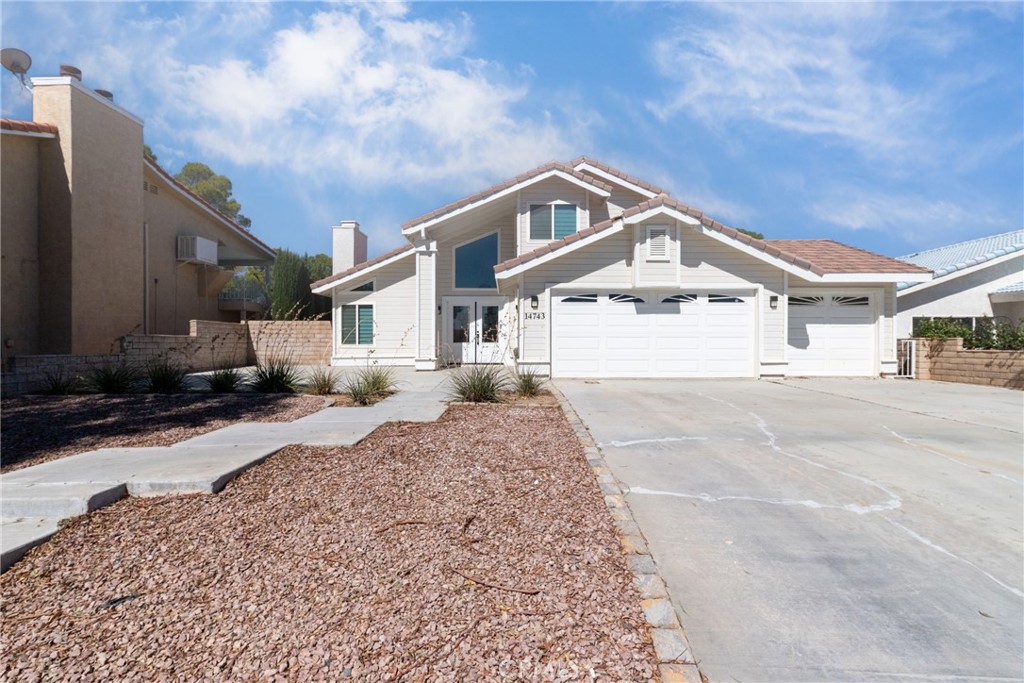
x: 36, y: 429
x: 474, y: 548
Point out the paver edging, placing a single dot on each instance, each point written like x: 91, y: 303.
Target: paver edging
x: 676, y: 663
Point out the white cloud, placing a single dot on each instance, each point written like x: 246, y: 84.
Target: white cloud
x: 369, y: 96
x: 802, y: 68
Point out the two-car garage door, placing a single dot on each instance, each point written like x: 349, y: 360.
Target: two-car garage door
x: 654, y: 334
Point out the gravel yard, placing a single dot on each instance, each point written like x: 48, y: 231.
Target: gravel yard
x: 477, y: 547
x: 36, y: 429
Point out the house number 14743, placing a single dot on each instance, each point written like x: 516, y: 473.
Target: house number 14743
x: 534, y: 316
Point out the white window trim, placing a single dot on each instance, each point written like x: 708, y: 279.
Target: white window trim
x: 551, y: 231
x: 667, y: 256
x: 341, y: 330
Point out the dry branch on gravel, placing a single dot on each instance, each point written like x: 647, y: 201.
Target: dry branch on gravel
x: 285, y: 575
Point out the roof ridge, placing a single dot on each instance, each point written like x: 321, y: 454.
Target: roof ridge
x: 618, y: 173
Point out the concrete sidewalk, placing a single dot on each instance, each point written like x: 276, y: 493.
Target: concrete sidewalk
x: 34, y: 500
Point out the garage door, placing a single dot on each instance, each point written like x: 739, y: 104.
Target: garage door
x: 684, y: 334
x: 832, y: 335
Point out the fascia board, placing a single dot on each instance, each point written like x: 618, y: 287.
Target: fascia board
x: 760, y: 255
x: 567, y: 249
x: 553, y: 173
x: 236, y: 229
x: 608, y: 177
x: 876, y: 277
x: 949, y: 277
x: 662, y: 211
x: 28, y: 134
x: 363, y: 272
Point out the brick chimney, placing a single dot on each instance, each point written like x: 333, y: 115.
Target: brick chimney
x: 349, y: 248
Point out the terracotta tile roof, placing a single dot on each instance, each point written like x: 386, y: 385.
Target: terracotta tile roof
x: 617, y: 173
x: 834, y: 257
x: 495, y: 189
x: 187, y: 190
x: 817, y: 256
x: 27, y: 126
x: 362, y: 266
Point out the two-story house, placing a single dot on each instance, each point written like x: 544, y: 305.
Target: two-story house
x: 580, y: 270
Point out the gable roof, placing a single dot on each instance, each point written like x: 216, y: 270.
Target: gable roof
x: 361, y: 269
x: 185, y: 190
x: 28, y: 127
x: 507, y: 186
x: 816, y: 259
x: 962, y: 255
x: 621, y: 175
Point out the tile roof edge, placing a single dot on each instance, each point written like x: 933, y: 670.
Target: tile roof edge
x: 376, y: 260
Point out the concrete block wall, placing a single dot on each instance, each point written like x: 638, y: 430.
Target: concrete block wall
x: 304, y: 342
x: 26, y: 374
x: 946, y: 360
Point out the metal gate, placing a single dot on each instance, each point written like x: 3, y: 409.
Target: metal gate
x: 906, y: 358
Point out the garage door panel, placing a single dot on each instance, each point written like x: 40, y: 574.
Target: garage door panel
x: 831, y: 335
x: 691, y: 338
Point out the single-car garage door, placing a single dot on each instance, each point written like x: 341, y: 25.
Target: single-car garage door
x: 832, y: 335
x: 653, y: 334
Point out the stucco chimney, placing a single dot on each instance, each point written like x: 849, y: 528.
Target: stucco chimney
x: 349, y: 248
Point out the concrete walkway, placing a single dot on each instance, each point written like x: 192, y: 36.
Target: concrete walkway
x: 34, y: 500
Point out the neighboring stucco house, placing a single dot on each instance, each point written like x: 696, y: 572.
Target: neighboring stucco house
x: 97, y: 240
x: 974, y: 279
x: 580, y: 270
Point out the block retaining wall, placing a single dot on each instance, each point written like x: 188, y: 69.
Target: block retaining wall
x: 946, y: 360
x: 209, y: 345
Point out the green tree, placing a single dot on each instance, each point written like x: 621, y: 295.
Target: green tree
x: 755, y: 235
x: 290, y: 296
x: 319, y: 266
x: 149, y: 151
x: 214, y: 188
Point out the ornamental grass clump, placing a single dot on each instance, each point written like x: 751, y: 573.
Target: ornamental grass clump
x: 527, y: 382
x: 57, y: 383
x: 322, y: 381
x: 224, y: 380
x: 275, y: 376
x: 166, y: 377
x: 370, y: 384
x: 478, y: 384
x: 113, y: 379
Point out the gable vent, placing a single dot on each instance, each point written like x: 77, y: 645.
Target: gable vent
x: 657, y: 243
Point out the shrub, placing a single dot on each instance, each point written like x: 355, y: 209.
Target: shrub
x: 322, y: 381
x: 224, y: 380
x: 275, y: 376
x: 166, y: 377
x: 987, y: 333
x: 113, y: 379
x: 57, y: 383
x: 478, y: 384
x: 370, y: 384
x: 527, y: 382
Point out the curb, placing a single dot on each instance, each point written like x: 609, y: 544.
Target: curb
x: 676, y: 663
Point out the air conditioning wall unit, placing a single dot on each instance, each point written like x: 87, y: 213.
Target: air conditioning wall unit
x: 195, y: 249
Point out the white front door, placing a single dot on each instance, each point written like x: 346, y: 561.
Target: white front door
x: 472, y: 329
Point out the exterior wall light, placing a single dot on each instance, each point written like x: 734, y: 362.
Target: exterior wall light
x: 534, y: 303
x: 773, y: 301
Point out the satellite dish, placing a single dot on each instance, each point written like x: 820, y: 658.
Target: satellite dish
x: 16, y: 61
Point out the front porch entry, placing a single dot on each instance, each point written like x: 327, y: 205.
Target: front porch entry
x: 472, y: 330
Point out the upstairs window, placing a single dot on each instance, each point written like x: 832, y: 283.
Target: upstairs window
x: 365, y: 287
x: 474, y: 263
x: 552, y: 221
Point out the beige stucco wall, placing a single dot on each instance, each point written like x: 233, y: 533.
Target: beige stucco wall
x: 102, y: 164
x: 19, y: 243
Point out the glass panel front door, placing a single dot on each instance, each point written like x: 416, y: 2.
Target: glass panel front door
x: 473, y: 330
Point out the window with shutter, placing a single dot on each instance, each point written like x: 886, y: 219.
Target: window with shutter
x: 552, y: 221
x: 357, y: 324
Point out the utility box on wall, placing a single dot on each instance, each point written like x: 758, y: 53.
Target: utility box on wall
x: 195, y: 249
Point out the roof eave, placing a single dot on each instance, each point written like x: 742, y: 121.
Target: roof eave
x: 430, y: 223
x: 329, y: 284
x: 615, y: 228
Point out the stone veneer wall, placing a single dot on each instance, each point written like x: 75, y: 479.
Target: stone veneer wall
x: 209, y: 345
x: 303, y: 342
x: 946, y: 360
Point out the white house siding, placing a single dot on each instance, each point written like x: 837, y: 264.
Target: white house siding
x: 620, y: 200
x: 656, y: 273
x: 426, y: 327
x: 960, y: 295
x: 707, y: 262
x: 393, y: 299
x: 552, y: 190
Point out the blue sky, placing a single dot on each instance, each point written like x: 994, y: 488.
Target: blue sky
x: 892, y: 127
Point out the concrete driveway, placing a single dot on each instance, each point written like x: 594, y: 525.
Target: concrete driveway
x: 827, y: 530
